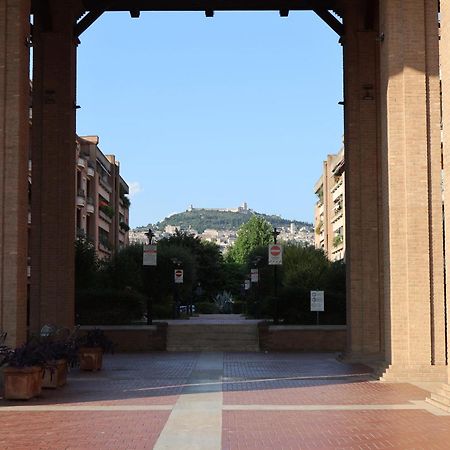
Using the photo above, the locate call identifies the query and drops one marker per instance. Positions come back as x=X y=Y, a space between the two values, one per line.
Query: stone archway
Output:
x=396 y=302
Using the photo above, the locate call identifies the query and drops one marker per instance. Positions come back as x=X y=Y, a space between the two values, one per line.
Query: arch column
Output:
x=411 y=190
x=53 y=165
x=14 y=147
x=445 y=77
x=362 y=196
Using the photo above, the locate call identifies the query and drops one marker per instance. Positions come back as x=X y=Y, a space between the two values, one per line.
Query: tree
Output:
x=86 y=264
x=255 y=233
x=208 y=261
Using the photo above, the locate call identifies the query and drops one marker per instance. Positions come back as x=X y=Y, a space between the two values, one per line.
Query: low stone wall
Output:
x=308 y=338
x=139 y=338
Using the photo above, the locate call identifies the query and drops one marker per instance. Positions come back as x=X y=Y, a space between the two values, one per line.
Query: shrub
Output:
x=109 y=306
x=206 y=308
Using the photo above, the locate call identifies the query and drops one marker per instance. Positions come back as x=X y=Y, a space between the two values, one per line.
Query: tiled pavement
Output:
x=225 y=401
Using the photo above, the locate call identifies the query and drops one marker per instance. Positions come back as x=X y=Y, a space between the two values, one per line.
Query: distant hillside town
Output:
x=220 y=226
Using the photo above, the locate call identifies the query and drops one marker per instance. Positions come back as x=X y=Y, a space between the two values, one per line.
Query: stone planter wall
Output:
x=307 y=338
x=139 y=338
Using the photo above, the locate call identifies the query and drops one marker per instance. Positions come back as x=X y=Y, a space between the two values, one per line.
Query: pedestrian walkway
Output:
x=229 y=401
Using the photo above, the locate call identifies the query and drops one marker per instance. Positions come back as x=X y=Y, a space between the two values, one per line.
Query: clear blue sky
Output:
x=213 y=111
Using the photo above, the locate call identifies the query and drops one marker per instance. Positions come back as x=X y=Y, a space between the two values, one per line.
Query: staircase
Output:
x=212 y=337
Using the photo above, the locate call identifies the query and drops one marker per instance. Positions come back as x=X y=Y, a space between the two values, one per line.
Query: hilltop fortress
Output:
x=242 y=209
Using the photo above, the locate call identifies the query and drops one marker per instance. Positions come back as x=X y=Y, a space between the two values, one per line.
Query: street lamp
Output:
x=175 y=309
x=255 y=262
x=275 y=234
x=150 y=235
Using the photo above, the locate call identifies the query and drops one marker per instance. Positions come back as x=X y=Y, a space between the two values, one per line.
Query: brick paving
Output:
x=287 y=430
x=251 y=401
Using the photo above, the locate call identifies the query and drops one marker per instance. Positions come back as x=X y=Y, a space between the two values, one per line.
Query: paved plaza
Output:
x=226 y=401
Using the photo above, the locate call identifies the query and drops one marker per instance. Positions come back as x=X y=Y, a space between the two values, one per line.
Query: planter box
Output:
x=22 y=383
x=56 y=376
x=90 y=358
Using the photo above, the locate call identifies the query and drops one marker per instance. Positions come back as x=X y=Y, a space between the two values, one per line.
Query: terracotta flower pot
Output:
x=56 y=376
x=22 y=383
x=90 y=358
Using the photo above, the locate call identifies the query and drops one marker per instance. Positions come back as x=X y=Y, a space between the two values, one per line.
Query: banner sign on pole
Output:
x=178 y=276
x=254 y=275
x=275 y=255
x=149 y=255
x=317 y=301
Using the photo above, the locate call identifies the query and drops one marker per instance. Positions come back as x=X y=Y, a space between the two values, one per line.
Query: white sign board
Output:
x=178 y=274
x=149 y=255
x=254 y=276
x=317 y=301
x=247 y=285
x=275 y=255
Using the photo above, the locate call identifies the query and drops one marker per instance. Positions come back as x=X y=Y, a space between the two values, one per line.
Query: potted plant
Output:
x=61 y=355
x=23 y=371
x=91 y=348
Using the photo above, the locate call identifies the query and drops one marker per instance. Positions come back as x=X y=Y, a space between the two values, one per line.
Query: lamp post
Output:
x=150 y=235
x=255 y=279
x=175 y=309
x=275 y=234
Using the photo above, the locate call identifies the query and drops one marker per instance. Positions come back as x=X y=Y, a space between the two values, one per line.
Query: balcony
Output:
x=104 y=217
x=104 y=182
x=81 y=162
x=90 y=207
x=81 y=198
x=90 y=169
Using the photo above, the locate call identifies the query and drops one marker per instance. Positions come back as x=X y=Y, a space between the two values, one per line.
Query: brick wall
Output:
x=135 y=339
x=330 y=338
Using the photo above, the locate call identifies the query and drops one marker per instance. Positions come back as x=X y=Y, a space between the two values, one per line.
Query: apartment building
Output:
x=329 y=214
x=102 y=205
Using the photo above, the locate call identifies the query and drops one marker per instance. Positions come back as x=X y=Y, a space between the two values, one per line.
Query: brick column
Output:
x=14 y=144
x=362 y=191
x=411 y=180
x=445 y=76
x=53 y=158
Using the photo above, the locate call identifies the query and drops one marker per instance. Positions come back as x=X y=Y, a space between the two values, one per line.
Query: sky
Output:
x=213 y=112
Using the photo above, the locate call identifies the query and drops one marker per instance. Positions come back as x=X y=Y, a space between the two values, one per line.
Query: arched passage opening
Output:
x=397 y=307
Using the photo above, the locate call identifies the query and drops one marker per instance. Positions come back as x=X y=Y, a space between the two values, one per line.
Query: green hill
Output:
x=201 y=219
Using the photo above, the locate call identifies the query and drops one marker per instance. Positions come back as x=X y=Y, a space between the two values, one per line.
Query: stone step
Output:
x=212 y=337
x=441 y=398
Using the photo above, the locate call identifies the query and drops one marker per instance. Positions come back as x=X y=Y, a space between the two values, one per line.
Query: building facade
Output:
x=102 y=205
x=329 y=214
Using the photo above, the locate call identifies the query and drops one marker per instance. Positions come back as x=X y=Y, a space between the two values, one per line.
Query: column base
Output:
x=404 y=373
x=373 y=360
x=441 y=398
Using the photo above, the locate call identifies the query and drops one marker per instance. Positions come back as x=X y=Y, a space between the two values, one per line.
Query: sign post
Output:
x=317 y=302
x=275 y=255
x=275 y=260
x=149 y=259
x=178 y=276
x=150 y=254
x=254 y=276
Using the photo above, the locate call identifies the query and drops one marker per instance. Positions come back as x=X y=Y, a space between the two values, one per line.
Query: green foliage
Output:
x=86 y=263
x=207 y=260
x=107 y=209
x=206 y=308
x=202 y=219
x=103 y=306
x=126 y=201
x=124 y=226
x=256 y=232
x=338 y=240
x=304 y=269
x=124 y=269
